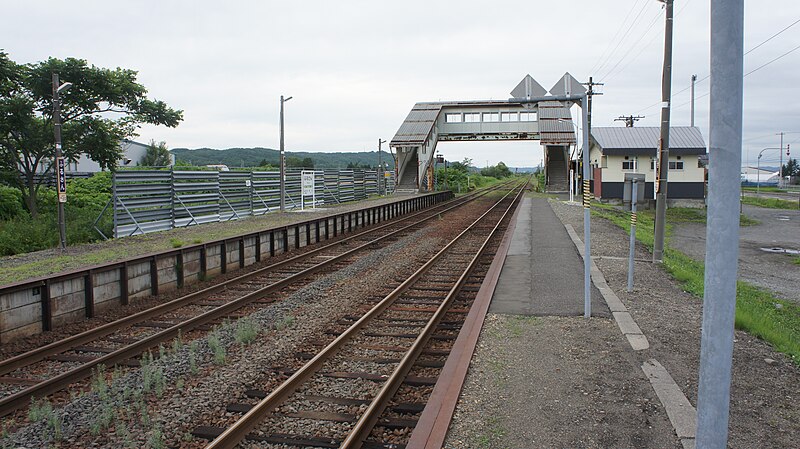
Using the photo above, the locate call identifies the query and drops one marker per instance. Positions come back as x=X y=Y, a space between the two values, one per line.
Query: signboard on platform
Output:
x=307 y=188
x=307 y=178
x=61 y=180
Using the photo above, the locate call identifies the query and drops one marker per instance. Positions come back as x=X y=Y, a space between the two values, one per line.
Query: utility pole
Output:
x=629 y=119
x=663 y=161
x=694 y=78
x=60 y=165
x=283 y=160
x=591 y=92
x=722 y=232
x=780 y=165
x=380 y=168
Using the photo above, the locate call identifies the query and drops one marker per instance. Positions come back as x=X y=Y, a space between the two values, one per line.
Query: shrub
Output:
x=11 y=204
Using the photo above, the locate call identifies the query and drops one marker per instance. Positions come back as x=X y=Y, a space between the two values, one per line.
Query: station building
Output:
x=616 y=151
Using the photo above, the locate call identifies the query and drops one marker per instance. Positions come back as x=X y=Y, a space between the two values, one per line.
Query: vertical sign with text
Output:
x=61 y=176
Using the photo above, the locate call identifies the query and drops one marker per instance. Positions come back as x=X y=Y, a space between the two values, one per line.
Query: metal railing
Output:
x=156 y=200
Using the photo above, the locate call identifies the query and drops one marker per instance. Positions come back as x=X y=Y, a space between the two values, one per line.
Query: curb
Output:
x=622 y=317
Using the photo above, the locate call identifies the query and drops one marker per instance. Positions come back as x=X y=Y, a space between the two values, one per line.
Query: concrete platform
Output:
x=543 y=272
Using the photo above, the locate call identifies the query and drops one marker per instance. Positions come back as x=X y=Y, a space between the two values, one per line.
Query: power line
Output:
x=746 y=53
x=609 y=76
x=622 y=39
x=770 y=62
x=613 y=39
x=649 y=27
x=772 y=37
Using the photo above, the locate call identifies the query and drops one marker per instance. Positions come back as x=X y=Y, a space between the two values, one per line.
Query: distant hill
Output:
x=251 y=157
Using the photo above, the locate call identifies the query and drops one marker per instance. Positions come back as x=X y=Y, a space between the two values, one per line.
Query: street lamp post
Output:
x=381 y=187
x=758 y=169
x=61 y=176
x=283 y=160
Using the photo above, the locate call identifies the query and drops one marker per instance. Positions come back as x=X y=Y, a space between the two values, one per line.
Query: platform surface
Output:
x=543 y=272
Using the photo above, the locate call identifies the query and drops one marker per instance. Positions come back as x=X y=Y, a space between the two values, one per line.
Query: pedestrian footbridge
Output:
x=428 y=123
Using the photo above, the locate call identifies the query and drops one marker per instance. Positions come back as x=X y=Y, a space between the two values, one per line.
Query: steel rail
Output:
x=233 y=435
x=36 y=355
x=369 y=418
x=21 y=398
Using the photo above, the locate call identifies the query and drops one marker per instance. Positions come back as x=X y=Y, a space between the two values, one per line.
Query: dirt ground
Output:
x=776 y=229
x=569 y=382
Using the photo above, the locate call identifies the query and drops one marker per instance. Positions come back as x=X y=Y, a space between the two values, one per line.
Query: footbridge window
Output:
x=472 y=117
x=491 y=116
x=527 y=116
x=509 y=117
x=452 y=118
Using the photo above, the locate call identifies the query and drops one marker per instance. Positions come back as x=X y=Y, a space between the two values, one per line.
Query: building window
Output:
x=629 y=165
x=452 y=118
x=509 y=117
x=472 y=117
x=491 y=116
x=603 y=161
x=527 y=116
x=676 y=165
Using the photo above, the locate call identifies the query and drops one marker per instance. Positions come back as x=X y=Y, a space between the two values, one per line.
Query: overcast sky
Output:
x=355 y=68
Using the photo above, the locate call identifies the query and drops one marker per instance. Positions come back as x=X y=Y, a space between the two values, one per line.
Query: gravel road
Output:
x=777 y=228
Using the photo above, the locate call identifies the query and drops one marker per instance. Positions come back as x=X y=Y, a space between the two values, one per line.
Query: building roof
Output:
x=644 y=140
x=420 y=121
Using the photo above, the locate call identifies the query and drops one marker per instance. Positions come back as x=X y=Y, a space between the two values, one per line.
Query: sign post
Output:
x=307 y=184
x=62 y=179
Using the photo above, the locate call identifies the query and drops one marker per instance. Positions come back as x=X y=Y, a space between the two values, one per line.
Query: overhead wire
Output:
x=608 y=76
x=622 y=39
x=772 y=37
x=745 y=54
x=613 y=39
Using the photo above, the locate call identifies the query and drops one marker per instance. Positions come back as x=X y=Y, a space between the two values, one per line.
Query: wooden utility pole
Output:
x=663 y=160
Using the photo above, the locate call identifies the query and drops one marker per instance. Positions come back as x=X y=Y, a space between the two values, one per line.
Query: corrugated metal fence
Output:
x=156 y=200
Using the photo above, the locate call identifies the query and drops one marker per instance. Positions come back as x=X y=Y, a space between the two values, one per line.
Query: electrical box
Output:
x=627 y=189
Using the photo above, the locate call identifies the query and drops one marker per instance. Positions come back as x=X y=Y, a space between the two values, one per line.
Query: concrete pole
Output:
x=663 y=163
x=780 y=164
x=587 y=216
x=283 y=160
x=59 y=164
x=381 y=189
x=694 y=78
x=634 y=196
x=719 y=299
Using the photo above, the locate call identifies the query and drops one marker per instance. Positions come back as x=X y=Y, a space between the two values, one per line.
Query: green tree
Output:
x=156 y=155
x=103 y=107
x=791 y=168
x=497 y=171
x=296 y=162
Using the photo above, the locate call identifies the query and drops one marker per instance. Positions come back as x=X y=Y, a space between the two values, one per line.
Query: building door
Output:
x=598 y=182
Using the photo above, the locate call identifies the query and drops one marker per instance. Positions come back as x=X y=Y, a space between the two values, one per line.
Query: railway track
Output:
x=54 y=367
x=368 y=383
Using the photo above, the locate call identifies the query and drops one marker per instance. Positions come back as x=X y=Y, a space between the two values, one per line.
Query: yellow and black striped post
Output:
x=587 y=195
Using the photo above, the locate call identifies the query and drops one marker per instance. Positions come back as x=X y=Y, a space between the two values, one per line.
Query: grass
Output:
x=796 y=260
x=762 y=189
x=758 y=311
x=495 y=431
x=517 y=323
x=770 y=203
